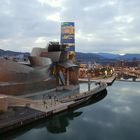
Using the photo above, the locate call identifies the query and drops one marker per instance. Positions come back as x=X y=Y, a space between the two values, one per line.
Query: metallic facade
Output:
x=11 y=71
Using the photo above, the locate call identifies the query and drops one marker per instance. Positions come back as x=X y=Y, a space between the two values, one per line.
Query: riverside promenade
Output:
x=108 y=81
x=24 y=111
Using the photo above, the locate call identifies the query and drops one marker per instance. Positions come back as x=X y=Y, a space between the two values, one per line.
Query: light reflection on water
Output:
x=116 y=117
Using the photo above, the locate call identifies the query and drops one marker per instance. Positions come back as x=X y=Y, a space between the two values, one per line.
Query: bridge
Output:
x=127 y=73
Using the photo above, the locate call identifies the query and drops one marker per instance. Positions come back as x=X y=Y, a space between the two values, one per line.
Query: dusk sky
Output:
x=111 y=26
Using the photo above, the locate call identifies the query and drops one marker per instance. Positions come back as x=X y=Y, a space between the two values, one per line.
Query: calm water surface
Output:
x=112 y=116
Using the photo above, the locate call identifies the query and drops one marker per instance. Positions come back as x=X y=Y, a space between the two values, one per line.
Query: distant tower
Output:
x=68 y=35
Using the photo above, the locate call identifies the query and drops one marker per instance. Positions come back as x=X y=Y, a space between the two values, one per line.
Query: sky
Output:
x=108 y=26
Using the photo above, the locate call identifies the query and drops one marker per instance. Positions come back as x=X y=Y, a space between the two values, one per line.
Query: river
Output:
x=114 y=115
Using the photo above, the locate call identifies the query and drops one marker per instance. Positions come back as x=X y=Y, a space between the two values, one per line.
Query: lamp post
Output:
x=89 y=68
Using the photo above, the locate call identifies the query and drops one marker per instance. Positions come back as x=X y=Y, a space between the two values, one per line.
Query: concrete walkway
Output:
x=105 y=80
x=35 y=110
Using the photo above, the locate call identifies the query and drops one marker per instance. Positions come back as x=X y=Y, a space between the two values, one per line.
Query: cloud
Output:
x=101 y=26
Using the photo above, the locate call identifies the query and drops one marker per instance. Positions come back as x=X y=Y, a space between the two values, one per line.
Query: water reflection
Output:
x=58 y=123
x=116 y=117
x=55 y=124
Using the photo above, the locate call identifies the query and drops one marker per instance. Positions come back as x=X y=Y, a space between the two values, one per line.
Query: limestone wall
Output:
x=3 y=104
x=25 y=88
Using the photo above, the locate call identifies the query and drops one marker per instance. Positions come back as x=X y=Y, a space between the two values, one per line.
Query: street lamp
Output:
x=89 y=74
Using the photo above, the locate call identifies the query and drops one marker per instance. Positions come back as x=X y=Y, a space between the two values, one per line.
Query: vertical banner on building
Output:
x=68 y=35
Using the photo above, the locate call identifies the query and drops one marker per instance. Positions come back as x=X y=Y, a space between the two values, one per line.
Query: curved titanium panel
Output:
x=11 y=71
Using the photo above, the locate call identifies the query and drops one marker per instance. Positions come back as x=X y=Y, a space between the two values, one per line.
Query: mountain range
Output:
x=12 y=53
x=99 y=57
x=106 y=56
x=118 y=56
